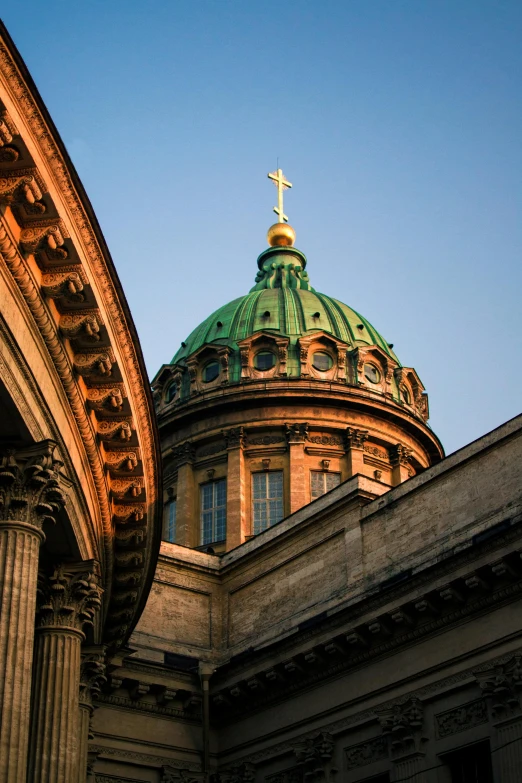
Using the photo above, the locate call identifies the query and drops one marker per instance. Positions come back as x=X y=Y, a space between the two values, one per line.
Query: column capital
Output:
x=184 y=454
x=403 y=723
x=92 y=674
x=355 y=438
x=29 y=488
x=501 y=686
x=69 y=597
x=400 y=455
x=296 y=433
x=234 y=438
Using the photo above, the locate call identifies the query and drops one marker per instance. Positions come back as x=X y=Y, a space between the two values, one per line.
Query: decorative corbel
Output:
x=66 y=284
x=93 y=363
x=122 y=460
x=111 y=428
x=84 y=325
x=45 y=236
x=124 y=514
x=109 y=398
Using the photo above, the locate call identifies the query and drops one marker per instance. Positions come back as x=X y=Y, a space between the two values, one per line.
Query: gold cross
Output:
x=281 y=184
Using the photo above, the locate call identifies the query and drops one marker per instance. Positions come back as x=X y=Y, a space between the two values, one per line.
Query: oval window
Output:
x=264 y=360
x=405 y=395
x=371 y=373
x=322 y=361
x=210 y=372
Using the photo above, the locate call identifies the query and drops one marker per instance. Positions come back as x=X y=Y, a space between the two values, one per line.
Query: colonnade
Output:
x=47 y=675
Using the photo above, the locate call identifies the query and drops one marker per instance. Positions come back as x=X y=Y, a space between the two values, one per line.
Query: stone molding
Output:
x=69 y=598
x=29 y=486
x=403 y=724
x=143 y=758
x=50 y=241
x=355 y=438
x=461 y=718
x=234 y=438
x=366 y=752
x=502 y=687
x=314 y=755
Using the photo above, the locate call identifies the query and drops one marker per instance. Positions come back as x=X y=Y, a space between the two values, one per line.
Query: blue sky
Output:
x=398 y=122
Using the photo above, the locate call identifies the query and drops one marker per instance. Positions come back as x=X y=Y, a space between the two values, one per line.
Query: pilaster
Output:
x=502 y=689
x=299 y=495
x=29 y=496
x=403 y=724
x=68 y=601
x=187 y=528
x=236 y=511
x=355 y=440
x=400 y=457
x=92 y=678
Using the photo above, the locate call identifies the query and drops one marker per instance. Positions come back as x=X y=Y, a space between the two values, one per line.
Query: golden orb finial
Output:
x=281 y=234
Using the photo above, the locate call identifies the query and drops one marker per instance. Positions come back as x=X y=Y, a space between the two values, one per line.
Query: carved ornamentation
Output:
x=67 y=284
x=130 y=537
x=184 y=454
x=29 y=488
x=92 y=675
x=403 y=724
x=173 y=775
x=115 y=429
x=96 y=363
x=127 y=488
x=22 y=185
x=69 y=597
x=355 y=438
x=373 y=451
x=315 y=755
x=242 y=773
x=234 y=438
x=51 y=236
x=296 y=433
x=502 y=687
x=325 y=440
x=366 y=752
x=122 y=460
x=461 y=718
x=106 y=397
x=125 y=514
x=400 y=455
x=85 y=325
x=265 y=440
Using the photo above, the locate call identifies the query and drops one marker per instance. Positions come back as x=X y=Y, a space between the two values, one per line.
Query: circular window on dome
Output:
x=371 y=373
x=322 y=361
x=405 y=395
x=264 y=360
x=210 y=372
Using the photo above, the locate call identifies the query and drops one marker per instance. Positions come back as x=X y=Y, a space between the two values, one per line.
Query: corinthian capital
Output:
x=92 y=674
x=29 y=489
x=70 y=596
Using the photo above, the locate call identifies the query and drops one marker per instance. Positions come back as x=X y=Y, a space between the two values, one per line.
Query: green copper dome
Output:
x=282 y=302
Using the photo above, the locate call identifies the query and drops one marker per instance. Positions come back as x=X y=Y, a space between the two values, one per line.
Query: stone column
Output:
x=296 y=435
x=187 y=527
x=400 y=460
x=355 y=440
x=69 y=600
x=29 y=496
x=92 y=677
x=236 y=512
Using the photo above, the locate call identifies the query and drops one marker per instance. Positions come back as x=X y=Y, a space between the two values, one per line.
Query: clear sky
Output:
x=399 y=123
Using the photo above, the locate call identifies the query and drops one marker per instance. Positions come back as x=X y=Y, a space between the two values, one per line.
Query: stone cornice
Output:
x=413 y=609
x=79 y=309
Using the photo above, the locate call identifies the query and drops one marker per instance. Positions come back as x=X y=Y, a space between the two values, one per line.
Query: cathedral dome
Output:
x=282 y=304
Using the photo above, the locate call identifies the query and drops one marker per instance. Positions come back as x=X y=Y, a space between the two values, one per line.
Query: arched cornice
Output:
x=52 y=245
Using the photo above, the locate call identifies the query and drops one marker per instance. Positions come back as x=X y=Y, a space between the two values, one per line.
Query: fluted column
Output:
x=92 y=677
x=296 y=435
x=29 y=495
x=70 y=598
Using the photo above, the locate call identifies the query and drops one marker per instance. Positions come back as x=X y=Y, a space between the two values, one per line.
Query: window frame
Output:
x=267 y=500
x=324 y=473
x=218 y=512
x=169 y=526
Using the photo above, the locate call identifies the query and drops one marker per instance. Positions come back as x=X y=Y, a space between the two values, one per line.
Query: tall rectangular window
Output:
x=214 y=511
x=323 y=482
x=169 y=522
x=471 y=764
x=267 y=491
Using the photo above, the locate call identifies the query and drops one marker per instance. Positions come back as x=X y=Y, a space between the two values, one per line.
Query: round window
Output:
x=264 y=360
x=405 y=395
x=322 y=361
x=371 y=373
x=210 y=372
